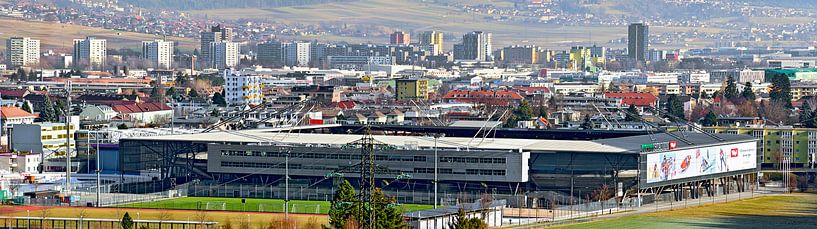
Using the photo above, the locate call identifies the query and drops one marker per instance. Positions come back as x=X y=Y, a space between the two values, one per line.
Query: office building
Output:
x=48 y=138
x=224 y=54
x=638 y=41
x=475 y=46
x=297 y=54
x=159 y=53
x=357 y=62
x=411 y=89
x=216 y=34
x=90 y=52
x=432 y=41
x=270 y=54
x=22 y=51
x=400 y=38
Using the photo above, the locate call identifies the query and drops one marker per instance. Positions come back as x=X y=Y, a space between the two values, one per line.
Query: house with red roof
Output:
x=15 y=115
x=145 y=113
x=492 y=98
x=639 y=99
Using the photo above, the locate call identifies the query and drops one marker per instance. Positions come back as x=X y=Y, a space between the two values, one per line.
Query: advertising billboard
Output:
x=679 y=164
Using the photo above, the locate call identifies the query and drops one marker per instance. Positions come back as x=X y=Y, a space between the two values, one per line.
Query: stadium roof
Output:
x=616 y=145
x=633 y=143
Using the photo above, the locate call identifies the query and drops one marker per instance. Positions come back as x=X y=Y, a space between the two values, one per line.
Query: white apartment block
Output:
x=90 y=51
x=22 y=51
x=159 y=53
x=242 y=89
x=297 y=54
x=224 y=55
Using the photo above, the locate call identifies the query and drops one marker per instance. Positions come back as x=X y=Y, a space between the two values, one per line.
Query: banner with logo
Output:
x=687 y=163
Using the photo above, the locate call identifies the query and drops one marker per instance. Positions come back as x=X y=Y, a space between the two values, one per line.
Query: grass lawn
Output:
x=251 y=205
x=236 y=219
x=798 y=211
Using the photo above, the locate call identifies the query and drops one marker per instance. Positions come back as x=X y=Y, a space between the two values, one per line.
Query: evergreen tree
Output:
x=552 y=104
x=731 y=90
x=386 y=211
x=181 y=80
x=464 y=222
x=632 y=114
x=219 y=100
x=343 y=205
x=704 y=95
x=215 y=113
x=127 y=221
x=47 y=113
x=193 y=93
x=27 y=107
x=171 y=92
x=587 y=124
x=675 y=108
x=781 y=90
x=522 y=113
x=747 y=93
x=612 y=87
x=805 y=113
x=710 y=119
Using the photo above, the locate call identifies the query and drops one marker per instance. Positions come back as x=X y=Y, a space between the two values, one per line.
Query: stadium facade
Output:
x=507 y=166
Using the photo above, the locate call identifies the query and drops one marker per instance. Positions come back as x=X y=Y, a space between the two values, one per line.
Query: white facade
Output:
x=159 y=53
x=90 y=51
x=224 y=54
x=565 y=89
x=699 y=77
x=23 y=163
x=242 y=89
x=98 y=113
x=297 y=54
x=22 y=51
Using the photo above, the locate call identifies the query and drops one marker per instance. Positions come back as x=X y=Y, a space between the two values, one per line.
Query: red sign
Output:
x=315 y=121
x=734 y=152
x=673 y=145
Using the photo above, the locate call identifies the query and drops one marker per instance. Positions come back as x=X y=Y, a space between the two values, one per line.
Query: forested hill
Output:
x=219 y=4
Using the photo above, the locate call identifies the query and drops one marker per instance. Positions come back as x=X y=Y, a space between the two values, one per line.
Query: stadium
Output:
x=254 y=164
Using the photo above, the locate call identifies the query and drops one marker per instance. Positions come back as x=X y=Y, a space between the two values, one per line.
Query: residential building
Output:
x=520 y=55
x=638 y=40
x=362 y=63
x=90 y=52
x=433 y=40
x=242 y=89
x=98 y=113
x=270 y=54
x=411 y=89
x=43 y=137
x=217 y=34
x=20 y=162
x=475 y=46
x=224 y=54
x=400 y=38
x=22 y=51
x=637 y=99
x=741 y=76
x=155 y=113
x=491 y=98
x=159 y=53
x=297 y=54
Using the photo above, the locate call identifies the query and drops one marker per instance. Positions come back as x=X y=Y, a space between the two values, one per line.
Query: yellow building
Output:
x=411 y=89
x=776 y=142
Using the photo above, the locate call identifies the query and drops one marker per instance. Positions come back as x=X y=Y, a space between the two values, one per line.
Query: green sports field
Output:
x=251 y=205
x=797 y=211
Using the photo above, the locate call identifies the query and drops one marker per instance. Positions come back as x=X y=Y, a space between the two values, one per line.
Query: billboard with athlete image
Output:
x=672 y=165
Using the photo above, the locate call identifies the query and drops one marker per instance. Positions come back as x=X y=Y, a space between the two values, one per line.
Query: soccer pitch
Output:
x=251 y=205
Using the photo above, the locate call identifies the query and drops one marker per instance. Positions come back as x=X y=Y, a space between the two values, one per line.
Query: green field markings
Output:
x=250 y=205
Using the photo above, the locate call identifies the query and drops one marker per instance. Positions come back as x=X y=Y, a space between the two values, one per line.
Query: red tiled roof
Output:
x=345 y=105
x=640 y=99
x=15 y=112
x=14 y=93
x=140 y=107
